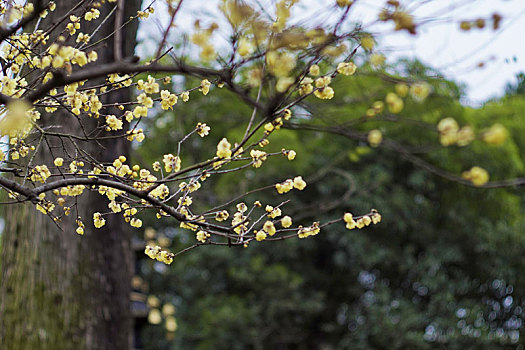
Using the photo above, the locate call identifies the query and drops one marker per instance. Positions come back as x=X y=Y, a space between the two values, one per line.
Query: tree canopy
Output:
x=433 y=274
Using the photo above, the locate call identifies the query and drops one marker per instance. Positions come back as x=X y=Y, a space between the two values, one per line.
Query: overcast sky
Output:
x=458 y=53
x=439 y=43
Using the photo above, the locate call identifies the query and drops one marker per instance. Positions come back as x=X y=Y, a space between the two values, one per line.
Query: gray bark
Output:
x=60 y=290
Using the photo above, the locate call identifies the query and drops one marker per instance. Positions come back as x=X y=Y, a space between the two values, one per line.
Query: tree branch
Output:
x=7 y=32
x=406 y=154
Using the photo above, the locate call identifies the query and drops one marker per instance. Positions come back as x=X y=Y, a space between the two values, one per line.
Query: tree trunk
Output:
x=60 y=290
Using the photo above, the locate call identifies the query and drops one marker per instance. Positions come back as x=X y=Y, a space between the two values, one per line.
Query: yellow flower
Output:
x=448 y=129
x=152 y=252
x=447 y=125
x=367 y=42
x=287 y=114
x=376 y=217
x=343 y=3
x=115 y=207
x=137 y=135
x=286 y=221
x=168 y=309
x=419 y=91
x=314 y=70
x=205 y=87
x=306 y=86
x=222 y=215
x=98 y=220
x=257 y=157
x=377 y=60
x=188 y=226
x=283 y=83
x=299 y=183
x=171 y=324
x=40 y=173
x=149 y=87
x=280 y=64
x=44 y=207
x=15 y=120
x=465 y=25
x=268 y=127
x=377 y=107
x=260 y=236
x=273 y=212
x=346 y=68
x=154 y=316
x=478 y=176
x=323 y=81
x=92 y=14
x=375 y=137
x=242 y=207
x=202 y=236
x=245 y=47
x=165 y=257
x=309 y=231
x=224 y=149
x=351 y=225
x=404 y=20
x=254 y=76
x=113 y=122
x=152 y=301
x=185 y=201
x=81 y=37
x=401 y=89
x=269 y=228
x=136 y=222
x=326 y=93
x=202 y=129
x=58 y=161
x=394 y=102
x=161 y=191
x=171 y=163
x=145 y=100
x=285 y=186
x=349 y=219
x=465 y=136
x=496 y=135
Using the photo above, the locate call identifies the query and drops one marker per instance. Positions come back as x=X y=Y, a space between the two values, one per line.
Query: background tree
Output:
x=434 y=275
x=63 y=113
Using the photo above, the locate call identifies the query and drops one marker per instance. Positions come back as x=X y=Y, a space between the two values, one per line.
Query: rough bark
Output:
x=60 y=290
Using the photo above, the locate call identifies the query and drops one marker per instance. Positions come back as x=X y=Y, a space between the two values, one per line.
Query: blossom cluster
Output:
x=44 y=83
x=159 y=254
x=359 y=222
x=451 y=134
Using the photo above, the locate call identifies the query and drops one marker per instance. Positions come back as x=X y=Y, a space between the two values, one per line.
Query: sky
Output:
x=457 y=53
x=439 y=43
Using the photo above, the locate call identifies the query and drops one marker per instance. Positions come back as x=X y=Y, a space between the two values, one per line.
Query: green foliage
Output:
x=519 y=87
x=443 y=270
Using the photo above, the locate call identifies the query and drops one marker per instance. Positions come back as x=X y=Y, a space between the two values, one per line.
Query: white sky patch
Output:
x=457 y=53
x=439 y=43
